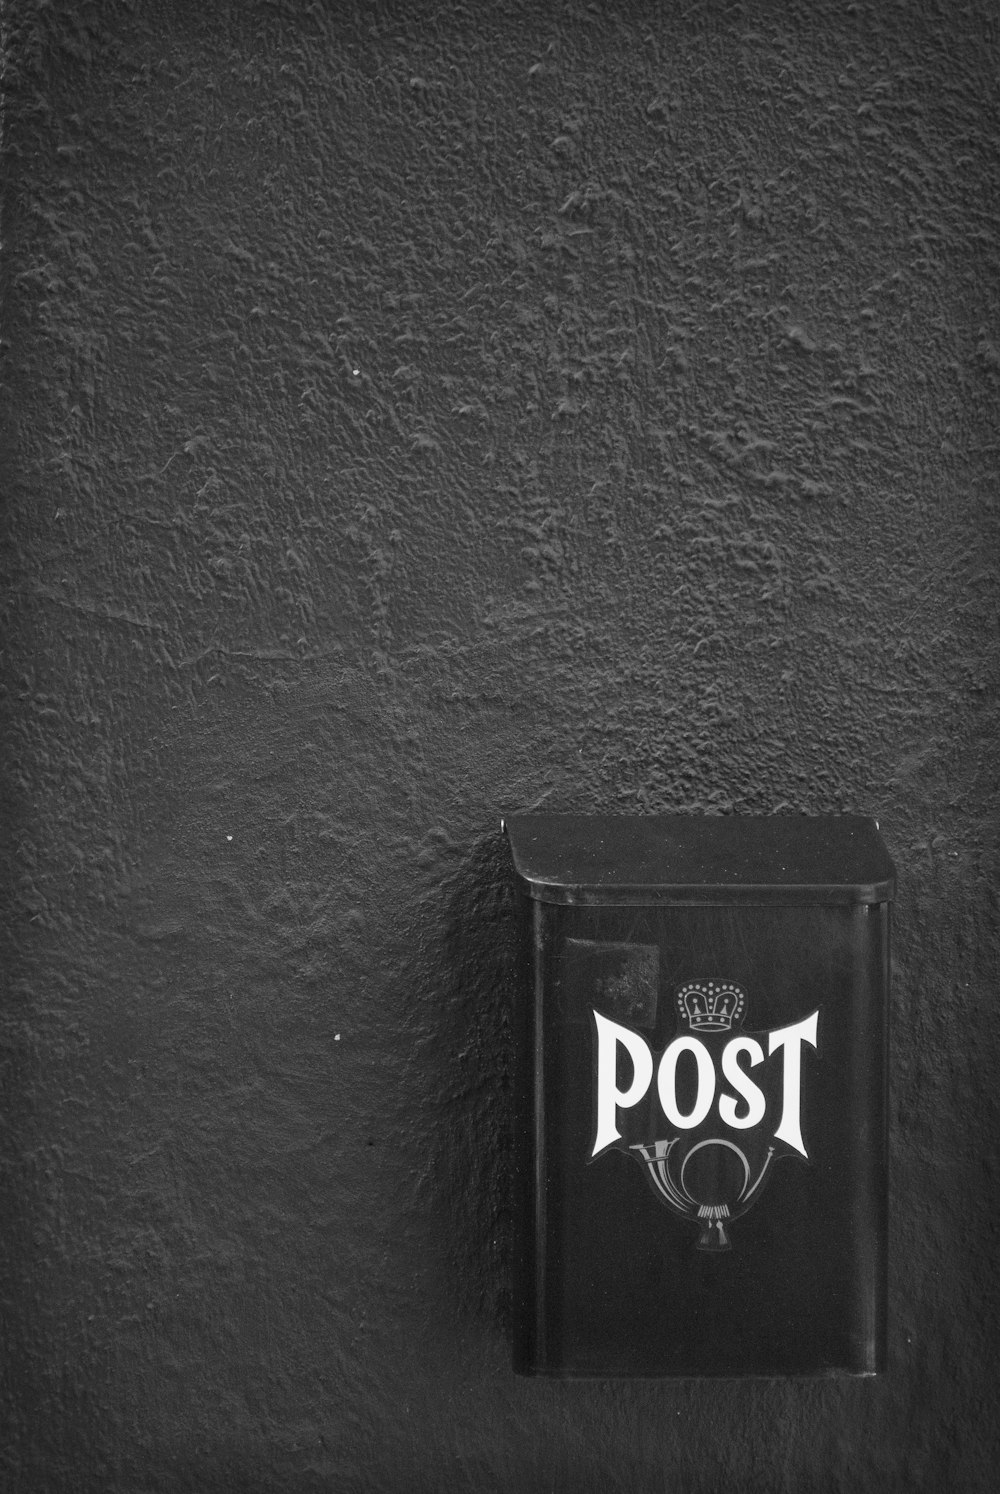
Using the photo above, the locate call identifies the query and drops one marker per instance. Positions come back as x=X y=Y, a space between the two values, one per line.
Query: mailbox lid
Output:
x=678 y=859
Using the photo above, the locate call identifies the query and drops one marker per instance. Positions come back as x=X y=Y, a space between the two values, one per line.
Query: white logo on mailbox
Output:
x=730 y=1107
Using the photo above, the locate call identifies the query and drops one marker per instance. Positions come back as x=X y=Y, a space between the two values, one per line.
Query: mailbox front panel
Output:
x=702 y=1140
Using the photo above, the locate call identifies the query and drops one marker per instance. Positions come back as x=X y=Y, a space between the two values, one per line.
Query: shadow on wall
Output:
x=471 y=1075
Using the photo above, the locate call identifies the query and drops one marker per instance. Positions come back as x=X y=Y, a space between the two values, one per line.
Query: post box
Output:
x=701 y=1035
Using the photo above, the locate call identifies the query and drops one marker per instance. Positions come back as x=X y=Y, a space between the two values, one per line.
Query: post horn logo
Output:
x=709 y=1138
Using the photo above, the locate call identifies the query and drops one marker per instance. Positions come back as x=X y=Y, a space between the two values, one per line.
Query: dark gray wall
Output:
x=412 y=413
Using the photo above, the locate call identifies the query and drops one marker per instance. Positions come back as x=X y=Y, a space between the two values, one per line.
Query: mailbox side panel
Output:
x=530 y=1188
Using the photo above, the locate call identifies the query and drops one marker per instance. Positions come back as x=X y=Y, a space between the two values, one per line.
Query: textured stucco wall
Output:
x=414 y=412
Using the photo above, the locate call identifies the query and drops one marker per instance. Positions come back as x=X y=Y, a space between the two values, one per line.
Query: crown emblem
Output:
x=711 y=1005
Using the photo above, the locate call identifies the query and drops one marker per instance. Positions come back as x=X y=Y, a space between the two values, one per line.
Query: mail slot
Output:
x=701 y=1036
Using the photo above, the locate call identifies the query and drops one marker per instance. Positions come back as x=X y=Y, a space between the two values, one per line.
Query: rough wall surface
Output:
x=414 y=412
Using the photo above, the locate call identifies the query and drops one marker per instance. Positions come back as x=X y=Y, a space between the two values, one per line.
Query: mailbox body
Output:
x=684 y=1209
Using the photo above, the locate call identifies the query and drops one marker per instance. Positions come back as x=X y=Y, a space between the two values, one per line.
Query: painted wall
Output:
x=415 y=412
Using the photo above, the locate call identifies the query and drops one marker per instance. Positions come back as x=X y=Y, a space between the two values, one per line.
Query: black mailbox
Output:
x=701 y=1139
